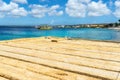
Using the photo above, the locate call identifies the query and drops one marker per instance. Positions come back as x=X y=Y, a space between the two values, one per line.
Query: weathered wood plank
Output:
x=78 y=42
x=91 y=45
x=101 y=64
x=60 y=74
x=73 y=56
x=118 y=78
x=14 y=73
x=65 y=66
x=2 y=78
x=56 y=49
x=102 y=48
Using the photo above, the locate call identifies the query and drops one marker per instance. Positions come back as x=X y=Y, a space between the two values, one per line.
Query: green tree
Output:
x=119 y=21
x=110 y=25
x=116 y=24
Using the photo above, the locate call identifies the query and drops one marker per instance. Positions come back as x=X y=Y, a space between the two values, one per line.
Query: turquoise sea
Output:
x=8 y=33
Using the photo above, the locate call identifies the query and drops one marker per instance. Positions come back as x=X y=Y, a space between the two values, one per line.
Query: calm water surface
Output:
x=7 y=33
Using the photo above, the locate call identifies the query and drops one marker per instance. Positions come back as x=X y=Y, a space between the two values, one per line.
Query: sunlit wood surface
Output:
x=59 y=59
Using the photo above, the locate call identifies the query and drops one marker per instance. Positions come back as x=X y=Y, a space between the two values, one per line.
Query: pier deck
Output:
x=59 y=59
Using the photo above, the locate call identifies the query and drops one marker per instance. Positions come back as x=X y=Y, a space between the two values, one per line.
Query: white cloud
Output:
x=83 y=8
x=117 y=3
x=98 y=9
x=117 y=11
x=20 y=1
x=11 y=9
x=7 y=7
x=76 y=8
x=19 y=12
x=83 y=1
x=53 y=10
x=54 y=7
x=40 y=10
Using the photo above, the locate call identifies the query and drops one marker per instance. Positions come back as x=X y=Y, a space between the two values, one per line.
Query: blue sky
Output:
x=36 y=12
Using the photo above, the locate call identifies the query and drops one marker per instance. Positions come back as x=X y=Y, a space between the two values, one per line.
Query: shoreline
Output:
x=90 y=34
x=109 y=41
x=117 y=28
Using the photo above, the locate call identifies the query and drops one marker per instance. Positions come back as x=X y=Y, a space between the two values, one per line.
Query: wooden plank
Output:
x=60 y=74
x=75 y=47
x=115 y=66
x=2 y=78
x=65 y=66
x=81 y=53
x=86 y=44
x=118 y=77
x=63 y=40
x=92 y=43
x=14 y=73
x=79 y=46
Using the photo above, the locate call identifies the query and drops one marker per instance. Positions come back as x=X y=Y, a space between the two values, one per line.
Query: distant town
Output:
x=115 y=25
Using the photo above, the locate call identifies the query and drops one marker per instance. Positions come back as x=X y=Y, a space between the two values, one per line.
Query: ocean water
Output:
x=7 y=33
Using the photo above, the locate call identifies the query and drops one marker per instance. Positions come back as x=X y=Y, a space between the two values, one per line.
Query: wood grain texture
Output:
x=41 y=59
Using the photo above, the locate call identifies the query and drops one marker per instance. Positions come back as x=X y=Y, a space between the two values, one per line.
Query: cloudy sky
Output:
x=35 y=12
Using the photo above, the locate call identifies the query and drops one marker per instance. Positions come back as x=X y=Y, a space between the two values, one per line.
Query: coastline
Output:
x=85 y=33
x=62 y=38
x=115 y=28
x=54 y=58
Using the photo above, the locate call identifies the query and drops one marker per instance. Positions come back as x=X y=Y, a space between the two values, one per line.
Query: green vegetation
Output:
x=105 y=25
x=44 y=27
x=116 y=24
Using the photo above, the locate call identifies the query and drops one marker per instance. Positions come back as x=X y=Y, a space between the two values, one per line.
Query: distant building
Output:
x=95 y=25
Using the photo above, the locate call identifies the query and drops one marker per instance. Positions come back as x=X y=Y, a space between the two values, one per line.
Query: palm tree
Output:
x=119 y=21
x=116 y=24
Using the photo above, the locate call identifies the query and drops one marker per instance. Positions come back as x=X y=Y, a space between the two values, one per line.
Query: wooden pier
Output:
x=59 y=59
